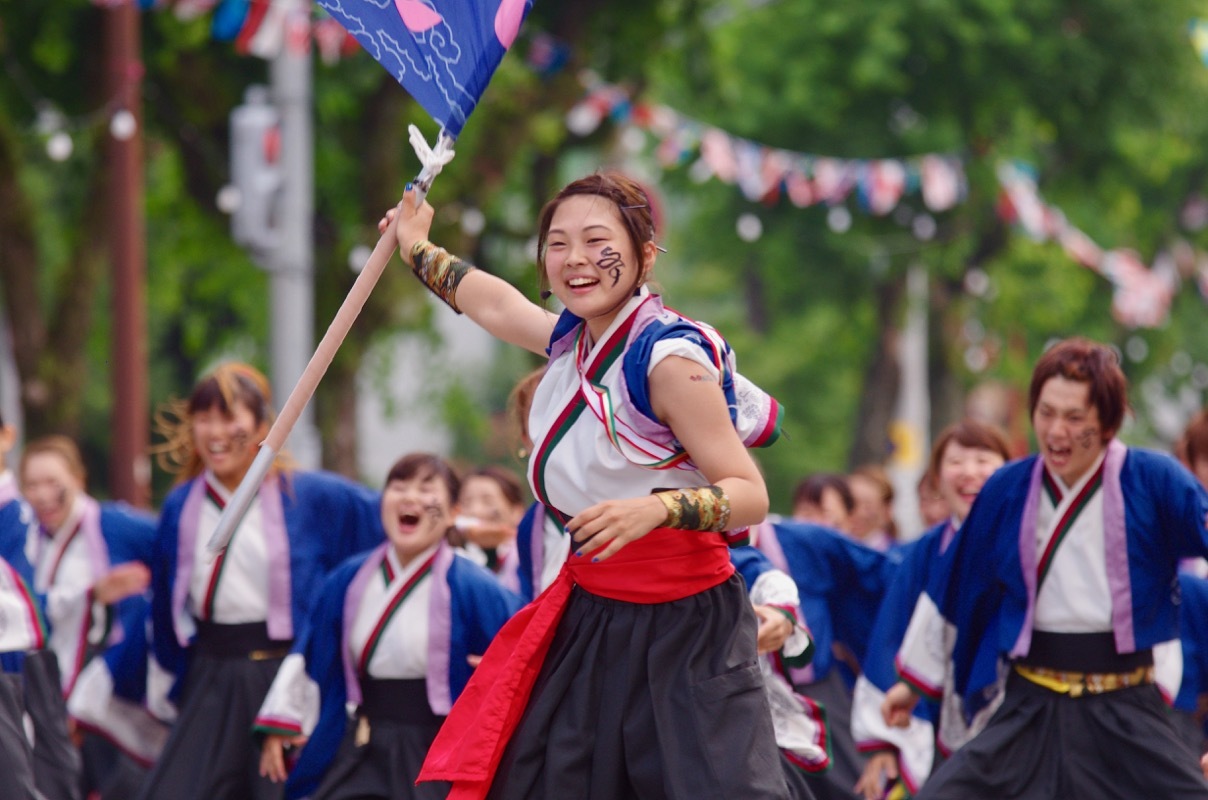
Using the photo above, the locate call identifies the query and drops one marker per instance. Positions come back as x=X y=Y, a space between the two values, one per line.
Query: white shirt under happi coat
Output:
x=292 y=702
x=241 y=594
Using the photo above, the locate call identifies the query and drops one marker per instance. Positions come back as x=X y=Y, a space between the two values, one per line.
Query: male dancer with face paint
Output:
x=1061 y=585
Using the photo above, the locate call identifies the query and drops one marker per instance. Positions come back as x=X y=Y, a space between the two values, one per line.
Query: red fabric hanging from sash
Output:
x=664 y=565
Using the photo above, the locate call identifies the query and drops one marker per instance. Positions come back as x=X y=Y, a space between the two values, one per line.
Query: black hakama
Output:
x=650 y=701
x=385 y=745
x=56 y=761
x=16 y=761
x=1042 y=745
x=211 y=753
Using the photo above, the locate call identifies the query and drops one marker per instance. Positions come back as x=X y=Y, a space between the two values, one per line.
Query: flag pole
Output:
x=433 y=160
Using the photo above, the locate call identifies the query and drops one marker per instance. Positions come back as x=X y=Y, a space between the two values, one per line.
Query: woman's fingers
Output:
x=272 y=760
x=385 y=221
x=603 y=529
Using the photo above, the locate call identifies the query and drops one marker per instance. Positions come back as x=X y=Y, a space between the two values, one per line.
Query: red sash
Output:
x=664 y=565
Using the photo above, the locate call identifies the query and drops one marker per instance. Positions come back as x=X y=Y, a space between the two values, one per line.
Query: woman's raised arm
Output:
x=493 y=303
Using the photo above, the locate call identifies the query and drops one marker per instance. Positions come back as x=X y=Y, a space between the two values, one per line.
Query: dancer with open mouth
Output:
x=223 y=625
x=395 y=633
x=629 y=675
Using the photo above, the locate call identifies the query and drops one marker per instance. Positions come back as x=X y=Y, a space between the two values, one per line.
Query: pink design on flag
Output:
x=507 y=21
x=417 y=16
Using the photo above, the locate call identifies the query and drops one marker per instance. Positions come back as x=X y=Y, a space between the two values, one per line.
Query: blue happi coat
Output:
x=1155 y=514
x=327 y=519
x=841 y=583
x=467 y=609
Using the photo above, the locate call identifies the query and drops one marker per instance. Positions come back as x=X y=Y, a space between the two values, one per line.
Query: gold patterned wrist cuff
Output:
x=440 y=270
x=703 y=509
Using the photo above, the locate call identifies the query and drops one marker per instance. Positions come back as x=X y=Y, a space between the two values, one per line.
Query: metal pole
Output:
x=913 y=413
x=130 y=468
x=291 y=263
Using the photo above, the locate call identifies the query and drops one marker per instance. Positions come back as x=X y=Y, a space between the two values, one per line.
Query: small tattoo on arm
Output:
x=697 y=378
x=612 y=263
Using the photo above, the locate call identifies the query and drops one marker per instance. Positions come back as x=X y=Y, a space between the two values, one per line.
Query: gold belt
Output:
x=1076 y=684
x=267 y=655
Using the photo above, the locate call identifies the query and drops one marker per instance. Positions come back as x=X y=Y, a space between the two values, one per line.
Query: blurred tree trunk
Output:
x=48 y=347
x=882 y=379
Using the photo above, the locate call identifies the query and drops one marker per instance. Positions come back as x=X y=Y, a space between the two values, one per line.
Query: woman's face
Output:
x=483 y=499
x=228 y=443
x=416 y=512
x=870 y=514
x=589 y=260
x=963 y=472
x=50 y=487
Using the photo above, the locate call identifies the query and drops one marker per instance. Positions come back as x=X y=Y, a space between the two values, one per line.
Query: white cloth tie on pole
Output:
x=432 y=159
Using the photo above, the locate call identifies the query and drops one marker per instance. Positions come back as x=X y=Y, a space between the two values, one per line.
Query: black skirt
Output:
x=210 y=753
x=16 y=760
x=384 y=746
x=647 y=701
x=385 y=767
x=1041 y=745
x=56 y=761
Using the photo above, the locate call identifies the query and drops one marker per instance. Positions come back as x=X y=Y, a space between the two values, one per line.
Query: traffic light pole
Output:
x=290 y=263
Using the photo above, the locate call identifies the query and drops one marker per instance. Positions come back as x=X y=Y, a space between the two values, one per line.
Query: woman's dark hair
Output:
x=812 y=487
x=227 y=385
x=968 y=433
x=423 y=466
x=505 y=479
x=631 y=201
x=231 y=384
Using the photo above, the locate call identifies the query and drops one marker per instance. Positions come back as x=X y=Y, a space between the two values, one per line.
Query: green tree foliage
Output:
x=1102 y=97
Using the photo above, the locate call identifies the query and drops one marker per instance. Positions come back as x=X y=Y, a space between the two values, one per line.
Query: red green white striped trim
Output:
x=403 y=592
x=609 y=352
x=36 y=623
x=54 y=570
x=1067 y=521
x=207 y=606
x=276 y=725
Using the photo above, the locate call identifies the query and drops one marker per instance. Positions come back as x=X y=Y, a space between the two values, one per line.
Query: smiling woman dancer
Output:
x=630 y=675
x=222 y=625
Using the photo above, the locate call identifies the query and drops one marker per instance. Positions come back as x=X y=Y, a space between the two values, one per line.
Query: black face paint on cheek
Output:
x=612 y=263
x=1088 y=439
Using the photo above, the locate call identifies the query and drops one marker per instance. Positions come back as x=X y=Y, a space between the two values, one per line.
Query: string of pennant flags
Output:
x=262 y=28
x=1141 y=297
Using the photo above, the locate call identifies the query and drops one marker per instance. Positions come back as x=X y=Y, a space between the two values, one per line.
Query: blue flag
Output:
x=443 y=52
